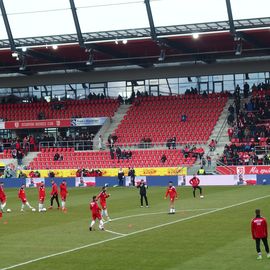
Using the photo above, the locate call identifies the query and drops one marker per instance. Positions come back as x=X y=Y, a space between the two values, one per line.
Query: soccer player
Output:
x=41 y=196
x=195 y=182
x=102 y=197
x=95 y=214
x=3 y=197
x=259 y=232
x=63 y=193
x=172 y=193
x=142 y=186
x=22 y=196
x=54 y=195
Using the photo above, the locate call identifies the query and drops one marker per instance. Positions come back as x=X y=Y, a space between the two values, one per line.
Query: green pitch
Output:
x=210 y=233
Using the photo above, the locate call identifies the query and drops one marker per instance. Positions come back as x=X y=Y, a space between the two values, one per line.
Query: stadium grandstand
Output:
x=89 y=91
x=134 y=134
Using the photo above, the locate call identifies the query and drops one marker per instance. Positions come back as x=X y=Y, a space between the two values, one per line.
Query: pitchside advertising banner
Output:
x=165 y=171
x=31 y=124
x=88 y=182
x=220 y=180
x=85 y=181
x=263 y=169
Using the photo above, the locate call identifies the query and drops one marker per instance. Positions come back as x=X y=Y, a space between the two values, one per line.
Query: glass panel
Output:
x=243 y=9
x=124 y=15
x=30 y=18
x=175 y=12
x=3 y=33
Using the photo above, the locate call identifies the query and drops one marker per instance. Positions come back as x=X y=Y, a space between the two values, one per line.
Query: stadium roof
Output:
x=234 y=37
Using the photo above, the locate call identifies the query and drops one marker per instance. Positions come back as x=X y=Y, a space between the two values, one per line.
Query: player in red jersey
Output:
x=63 y=193
x=259 y=232
x=3 y=197
x=172 y=193
x=54 y=195
x=22 y=197
x=102 y=197
x=195 y=182
x=95 y=214
x=41 y=196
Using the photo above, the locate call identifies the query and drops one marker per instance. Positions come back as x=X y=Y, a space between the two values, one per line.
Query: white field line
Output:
x=117 y=233
x=158 y=213
x=133 y=233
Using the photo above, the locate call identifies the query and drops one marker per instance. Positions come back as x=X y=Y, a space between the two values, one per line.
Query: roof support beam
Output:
x=7 y=26
x=77 y=23
x=230 y=16
x=151 y=20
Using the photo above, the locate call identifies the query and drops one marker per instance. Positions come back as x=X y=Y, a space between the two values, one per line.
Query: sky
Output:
x=29 y=18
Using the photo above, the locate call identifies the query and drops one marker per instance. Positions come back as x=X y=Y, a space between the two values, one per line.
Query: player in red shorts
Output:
x=102 y=197
x=195 y=182
x=63 y=193
x=41 y=196
x=22 y=196
x=3 y=197
x=172 y=193
x=95 y=214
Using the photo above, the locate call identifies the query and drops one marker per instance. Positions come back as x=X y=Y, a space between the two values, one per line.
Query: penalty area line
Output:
x=134 y=233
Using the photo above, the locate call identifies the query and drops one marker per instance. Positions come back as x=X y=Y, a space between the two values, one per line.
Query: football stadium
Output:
x=134 y=134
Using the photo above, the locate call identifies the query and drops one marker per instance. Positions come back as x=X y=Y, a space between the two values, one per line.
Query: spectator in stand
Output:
x=112 y=153
x=121 y=177
x=231 y=109
x=183 y=118
x=100 y=142
x=19 y=157
x=32 y=143
x=21 y=175
x=131 y=174
x=212 y=145
x=51 y=174
x=246 y=90
x=124 y=154
x=174 y=142
x=56 y=156
x=129 y=154
x=209 y=161
x=18 y=145
x=169 y=143
x=118 y=153
x=163 y=158
x=230 y=133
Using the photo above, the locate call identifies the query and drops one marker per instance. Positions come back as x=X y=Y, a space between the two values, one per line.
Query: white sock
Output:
x=3 y=205
x=63 y=204
x=92 y=223
x=101 y=223
x=173 y=210
x=40 y=206
x=27 y=203
x=22 y=207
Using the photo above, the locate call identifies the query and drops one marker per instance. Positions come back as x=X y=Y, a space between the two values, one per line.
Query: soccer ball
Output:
x=33 y=210
x=201 y=196
x=8 y=210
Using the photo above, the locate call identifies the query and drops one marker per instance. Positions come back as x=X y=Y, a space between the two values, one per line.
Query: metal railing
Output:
x=81 y=145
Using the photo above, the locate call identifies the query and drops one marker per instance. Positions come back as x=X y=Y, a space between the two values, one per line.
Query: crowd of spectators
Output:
x=118 y=153
x=171 y=143
x=193 y=151
x=88 y=173
x=249 y=131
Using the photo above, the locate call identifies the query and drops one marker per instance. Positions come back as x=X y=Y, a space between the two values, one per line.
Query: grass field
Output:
x=209 y=233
